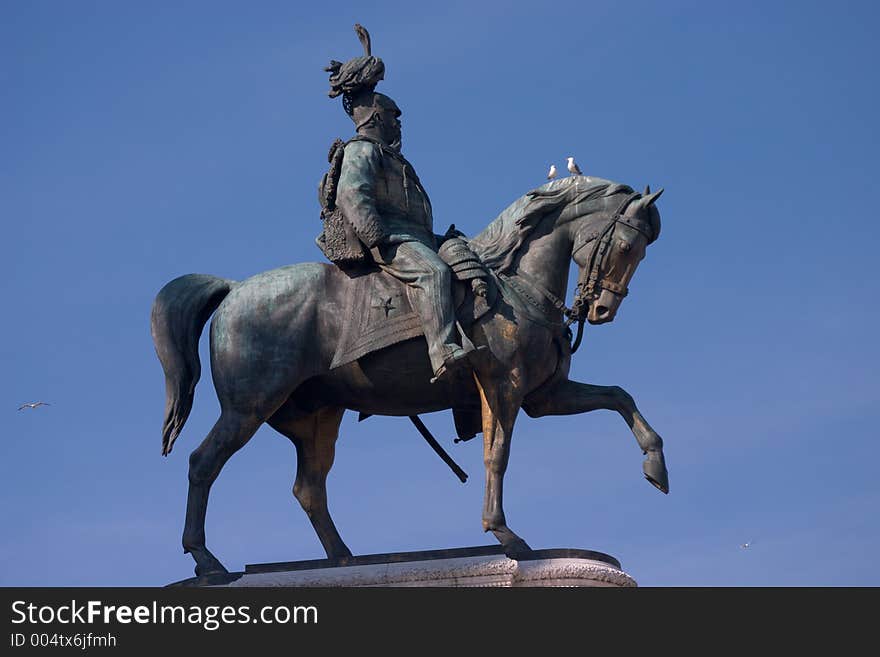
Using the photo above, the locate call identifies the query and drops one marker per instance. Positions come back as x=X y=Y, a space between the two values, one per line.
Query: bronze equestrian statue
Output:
x=297 y=346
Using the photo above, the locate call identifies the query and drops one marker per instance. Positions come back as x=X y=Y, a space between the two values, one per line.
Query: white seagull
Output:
x=552 y=173
x=746 y=546
x=34 y=405
x=573 y=168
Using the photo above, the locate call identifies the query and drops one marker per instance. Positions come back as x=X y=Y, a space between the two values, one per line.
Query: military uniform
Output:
x=381 y=196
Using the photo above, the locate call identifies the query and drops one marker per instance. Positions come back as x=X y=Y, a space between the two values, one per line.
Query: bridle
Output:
x=592 y=281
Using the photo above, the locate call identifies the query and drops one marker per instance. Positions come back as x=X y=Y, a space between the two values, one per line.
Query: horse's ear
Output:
x=650 y=199
x=647 y=190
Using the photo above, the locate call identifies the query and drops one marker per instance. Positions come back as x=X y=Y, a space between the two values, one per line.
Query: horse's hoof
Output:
x=655 y=471
x=219 y=569
x=207 y=564
x=516 y=549
x=341 y=553
x=513 y=545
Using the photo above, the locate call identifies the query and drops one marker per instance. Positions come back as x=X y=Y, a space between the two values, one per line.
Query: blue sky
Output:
x=142 y=141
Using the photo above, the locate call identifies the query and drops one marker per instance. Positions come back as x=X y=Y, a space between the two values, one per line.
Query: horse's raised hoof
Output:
x=655 y=471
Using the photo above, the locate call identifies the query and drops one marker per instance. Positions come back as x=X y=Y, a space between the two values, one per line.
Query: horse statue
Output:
x=274 y=338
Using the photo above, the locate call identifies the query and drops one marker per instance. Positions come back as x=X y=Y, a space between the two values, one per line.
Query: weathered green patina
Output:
x=274 y=336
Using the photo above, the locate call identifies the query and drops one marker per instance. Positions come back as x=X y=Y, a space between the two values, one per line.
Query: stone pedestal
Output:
x=463 y=567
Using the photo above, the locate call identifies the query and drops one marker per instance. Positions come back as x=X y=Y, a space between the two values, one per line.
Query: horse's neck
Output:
x=545 y=260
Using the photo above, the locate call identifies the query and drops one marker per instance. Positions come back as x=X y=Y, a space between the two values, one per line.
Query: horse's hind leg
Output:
x=229 y=434
x=571 y=397
x=315 y=437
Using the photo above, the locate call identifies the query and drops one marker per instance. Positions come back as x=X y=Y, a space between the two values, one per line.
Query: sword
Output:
x=429 y=438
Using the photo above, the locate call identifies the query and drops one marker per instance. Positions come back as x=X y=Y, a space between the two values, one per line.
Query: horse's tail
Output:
x=179 y=314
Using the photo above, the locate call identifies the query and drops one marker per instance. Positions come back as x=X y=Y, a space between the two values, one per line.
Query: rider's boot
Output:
x=458 y=356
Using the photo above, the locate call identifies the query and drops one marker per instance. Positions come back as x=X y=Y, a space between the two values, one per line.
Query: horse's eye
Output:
x=624 y=246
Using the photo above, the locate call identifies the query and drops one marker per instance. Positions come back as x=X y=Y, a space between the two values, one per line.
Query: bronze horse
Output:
x=273 y=337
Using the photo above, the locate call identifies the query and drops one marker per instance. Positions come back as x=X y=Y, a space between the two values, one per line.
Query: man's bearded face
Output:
x=391 y=127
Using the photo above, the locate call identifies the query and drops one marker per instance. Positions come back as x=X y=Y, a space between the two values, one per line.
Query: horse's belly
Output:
x=393 y=381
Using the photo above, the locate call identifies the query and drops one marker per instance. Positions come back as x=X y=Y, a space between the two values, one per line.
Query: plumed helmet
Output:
x=356 y=79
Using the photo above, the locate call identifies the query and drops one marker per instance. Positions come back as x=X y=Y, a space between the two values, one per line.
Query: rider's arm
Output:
x=356 y=193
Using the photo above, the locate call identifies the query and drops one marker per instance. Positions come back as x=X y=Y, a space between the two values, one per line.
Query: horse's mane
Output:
x=572 y=197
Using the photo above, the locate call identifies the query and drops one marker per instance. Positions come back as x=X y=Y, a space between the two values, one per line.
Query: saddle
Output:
x=378 y=314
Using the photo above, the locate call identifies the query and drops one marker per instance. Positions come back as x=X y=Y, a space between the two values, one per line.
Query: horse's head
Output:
x=608 y=249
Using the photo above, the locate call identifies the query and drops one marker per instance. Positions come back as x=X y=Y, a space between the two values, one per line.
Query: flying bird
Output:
x=552 y=173
x=747 y=545
x=573 y=168
x=33 y=405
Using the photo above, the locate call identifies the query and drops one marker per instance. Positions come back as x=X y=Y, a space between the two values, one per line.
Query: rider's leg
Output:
x=429 y=289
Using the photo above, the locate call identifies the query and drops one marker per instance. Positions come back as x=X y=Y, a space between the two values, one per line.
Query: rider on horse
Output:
x=381 y=196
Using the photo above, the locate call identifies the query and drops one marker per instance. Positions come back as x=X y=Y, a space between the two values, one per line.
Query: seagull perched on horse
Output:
x=552 y=173
x=573 y=168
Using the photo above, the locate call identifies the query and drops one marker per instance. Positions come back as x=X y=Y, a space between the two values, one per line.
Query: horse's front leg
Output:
x=571 y=397
x=500 y=405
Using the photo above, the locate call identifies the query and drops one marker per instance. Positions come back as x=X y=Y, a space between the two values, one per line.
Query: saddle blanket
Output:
x=377 y=314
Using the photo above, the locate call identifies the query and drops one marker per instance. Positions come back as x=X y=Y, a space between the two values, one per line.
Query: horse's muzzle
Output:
x=603 y=309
